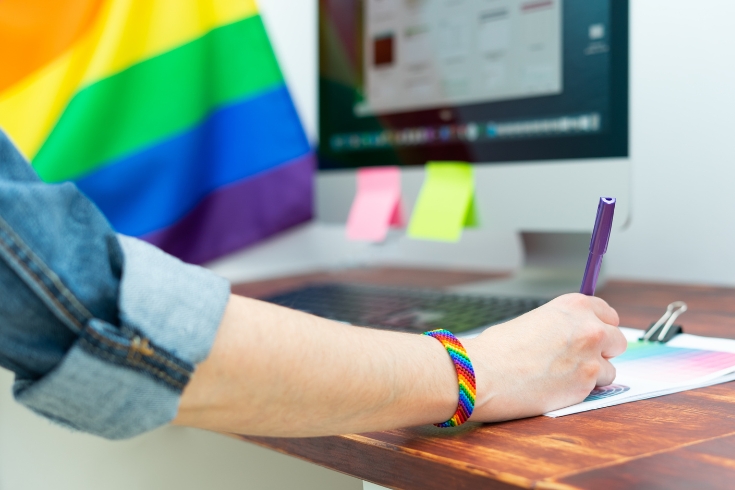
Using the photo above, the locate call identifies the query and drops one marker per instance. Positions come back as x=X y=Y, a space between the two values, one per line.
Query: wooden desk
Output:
x=685 y=440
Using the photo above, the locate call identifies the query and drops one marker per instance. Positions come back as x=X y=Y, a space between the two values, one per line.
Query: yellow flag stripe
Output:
x=127 y=32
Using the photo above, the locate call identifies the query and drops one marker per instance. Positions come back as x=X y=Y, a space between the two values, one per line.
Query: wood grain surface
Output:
x=685 y=440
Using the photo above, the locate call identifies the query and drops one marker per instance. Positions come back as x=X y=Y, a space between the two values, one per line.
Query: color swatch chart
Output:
x=651 y=369
x=651 y=361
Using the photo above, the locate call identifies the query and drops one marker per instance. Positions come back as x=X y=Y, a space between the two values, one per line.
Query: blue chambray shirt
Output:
x=102 y=331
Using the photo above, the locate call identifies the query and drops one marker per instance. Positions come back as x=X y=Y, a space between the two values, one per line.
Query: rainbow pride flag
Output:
x=171 y=115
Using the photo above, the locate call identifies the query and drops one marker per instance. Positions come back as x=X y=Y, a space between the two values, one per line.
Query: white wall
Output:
x=682 y=108
x=292 y=27
x=682 y=118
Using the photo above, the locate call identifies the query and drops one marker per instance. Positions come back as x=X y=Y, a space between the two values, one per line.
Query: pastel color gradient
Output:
x=657 y=362
x=465 y=376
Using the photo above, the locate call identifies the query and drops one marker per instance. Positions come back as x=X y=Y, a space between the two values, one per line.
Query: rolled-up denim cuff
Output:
x=176 y=305
x=121 y=381
x=87 y=393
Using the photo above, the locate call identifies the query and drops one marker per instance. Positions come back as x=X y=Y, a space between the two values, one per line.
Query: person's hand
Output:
x=547 y=359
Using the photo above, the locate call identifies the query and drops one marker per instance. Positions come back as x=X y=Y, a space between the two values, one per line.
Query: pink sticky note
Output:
x=377 y=204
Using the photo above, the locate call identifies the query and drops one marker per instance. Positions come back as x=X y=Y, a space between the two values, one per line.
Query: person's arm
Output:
x=104 y=333
x=278 y=372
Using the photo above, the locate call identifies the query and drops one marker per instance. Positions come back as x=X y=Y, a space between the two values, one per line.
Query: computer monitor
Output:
x=534 y=92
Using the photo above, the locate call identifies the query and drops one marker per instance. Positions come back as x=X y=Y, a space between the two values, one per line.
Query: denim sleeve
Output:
x=102 y=331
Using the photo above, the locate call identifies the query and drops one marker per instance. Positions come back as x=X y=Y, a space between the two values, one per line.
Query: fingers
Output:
x=613 y=342
x=600 y=308
x=603 y=311
x=601 y=330
x=607 y=373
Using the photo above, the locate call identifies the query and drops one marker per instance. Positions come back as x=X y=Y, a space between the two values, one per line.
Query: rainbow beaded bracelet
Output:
x=465 y=376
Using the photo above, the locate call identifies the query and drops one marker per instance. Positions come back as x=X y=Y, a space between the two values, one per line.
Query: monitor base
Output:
x=553 y=265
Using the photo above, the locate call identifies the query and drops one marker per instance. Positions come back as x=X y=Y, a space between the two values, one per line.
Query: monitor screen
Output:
x=403 y=82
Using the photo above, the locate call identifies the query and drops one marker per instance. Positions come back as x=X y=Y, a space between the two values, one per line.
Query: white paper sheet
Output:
x=646 y=371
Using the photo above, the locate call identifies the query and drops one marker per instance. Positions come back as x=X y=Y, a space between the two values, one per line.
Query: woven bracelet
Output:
x=465 y=376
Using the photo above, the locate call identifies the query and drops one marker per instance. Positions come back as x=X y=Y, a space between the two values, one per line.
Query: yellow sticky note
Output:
x=446 y=203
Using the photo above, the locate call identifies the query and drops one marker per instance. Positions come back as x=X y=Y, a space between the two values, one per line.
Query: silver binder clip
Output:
x=664 y=329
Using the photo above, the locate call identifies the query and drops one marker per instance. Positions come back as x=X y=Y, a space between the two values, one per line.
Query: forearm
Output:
x=279 y=372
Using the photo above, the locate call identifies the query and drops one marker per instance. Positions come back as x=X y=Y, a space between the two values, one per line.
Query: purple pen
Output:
x=598 y=244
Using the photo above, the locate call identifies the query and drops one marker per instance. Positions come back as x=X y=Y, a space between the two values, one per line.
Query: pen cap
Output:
x=603 y=225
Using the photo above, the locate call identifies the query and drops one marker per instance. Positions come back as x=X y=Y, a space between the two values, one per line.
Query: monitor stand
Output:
x=553 y=265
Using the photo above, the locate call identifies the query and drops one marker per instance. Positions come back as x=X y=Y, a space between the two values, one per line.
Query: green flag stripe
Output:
x=158 y=98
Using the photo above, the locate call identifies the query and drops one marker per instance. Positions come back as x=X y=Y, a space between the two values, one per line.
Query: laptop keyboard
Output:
x=408 y=310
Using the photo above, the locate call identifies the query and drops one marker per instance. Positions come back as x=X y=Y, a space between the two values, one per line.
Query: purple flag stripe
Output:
x=242 y=213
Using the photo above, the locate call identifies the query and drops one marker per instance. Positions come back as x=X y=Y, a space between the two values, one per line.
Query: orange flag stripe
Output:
x=34 y=32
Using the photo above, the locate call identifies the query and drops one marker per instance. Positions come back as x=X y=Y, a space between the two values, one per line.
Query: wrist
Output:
x=483 y=377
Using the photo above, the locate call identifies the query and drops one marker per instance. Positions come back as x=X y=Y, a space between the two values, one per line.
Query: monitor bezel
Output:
x=613 y=143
